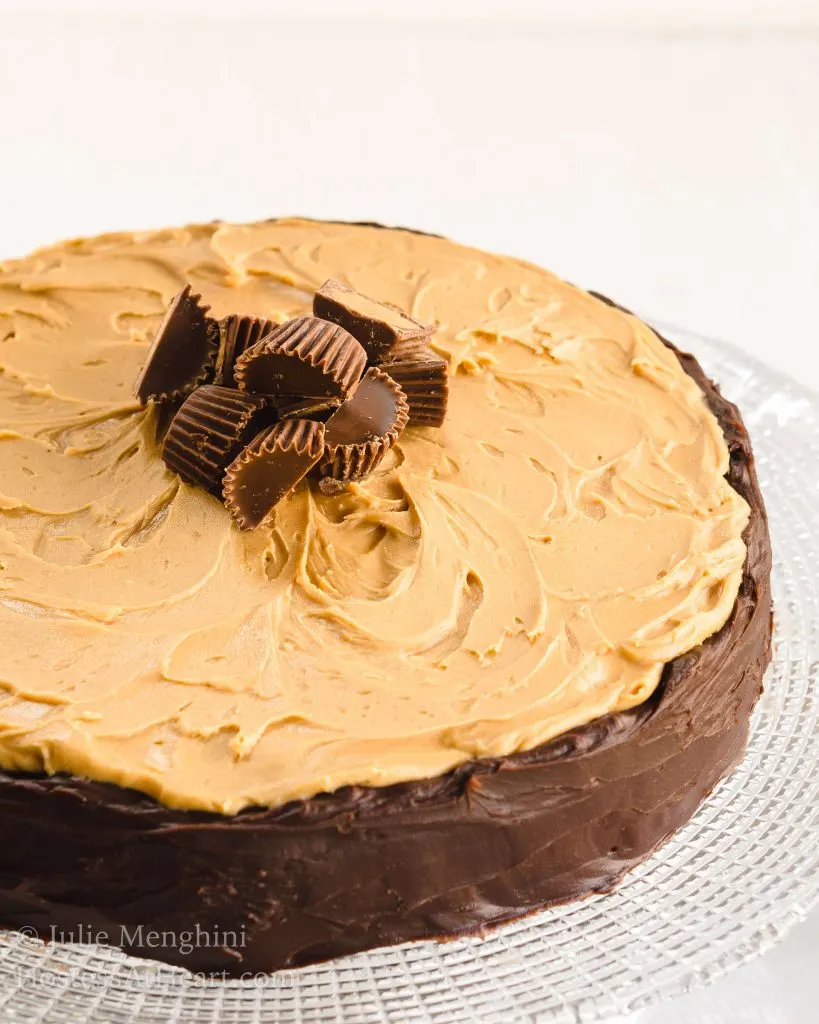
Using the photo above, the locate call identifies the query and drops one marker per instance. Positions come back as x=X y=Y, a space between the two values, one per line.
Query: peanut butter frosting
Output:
x=529 y=567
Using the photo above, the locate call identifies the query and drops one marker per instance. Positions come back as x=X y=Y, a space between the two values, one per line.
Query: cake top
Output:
x=523 y=569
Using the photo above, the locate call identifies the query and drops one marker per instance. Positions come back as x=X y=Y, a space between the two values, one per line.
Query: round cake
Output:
x=490 y=675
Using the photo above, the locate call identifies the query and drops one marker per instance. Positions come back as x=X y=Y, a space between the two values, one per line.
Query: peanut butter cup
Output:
x=425 y=382
x=269 y=468
x=236 y=335
x=207 y=432
x=306 y=358
x=365 y=427
x=292 y=408
x=377 y=325
x=164 y=413
x=183 y=351
x=409 y=348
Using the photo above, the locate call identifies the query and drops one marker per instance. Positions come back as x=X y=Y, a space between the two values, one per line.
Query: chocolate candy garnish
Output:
x=377 y=325
x=305 y=357
x=409 y=348
x=295 y=388
x=425 y=381
x=361 y=432
x=269 y=468
x=164 y=414
x=237 y=335
x=206 y=434
x=182 y=353
x=290 y=408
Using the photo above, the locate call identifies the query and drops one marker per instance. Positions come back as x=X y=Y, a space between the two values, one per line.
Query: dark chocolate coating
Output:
x=362 y=430
x=182 y=353
x=425 y=381
x=269 y=468
x=378 y=326
x=365 y=867
x=237 y=334
x=207 y=433
x=370 y=412
x=305 y=357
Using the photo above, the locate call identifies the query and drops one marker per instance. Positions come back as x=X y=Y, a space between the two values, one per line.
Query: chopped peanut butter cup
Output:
x=269 y=468
x=425 y=382
x=331 y=488
x=377 y=325
x=360 y=433
x=409 y=348
x=292 y=408
x=237 y=334
x=164 y=413
x=182 y=353
x=306 y=357
x=205 y=435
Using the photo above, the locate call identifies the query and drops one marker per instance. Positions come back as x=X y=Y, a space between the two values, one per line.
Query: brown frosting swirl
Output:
x=529 y=567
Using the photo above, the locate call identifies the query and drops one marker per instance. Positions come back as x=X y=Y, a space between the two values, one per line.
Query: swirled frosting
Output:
x=523 y=570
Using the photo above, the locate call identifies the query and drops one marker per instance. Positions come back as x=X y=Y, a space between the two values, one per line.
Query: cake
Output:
x=490 y=676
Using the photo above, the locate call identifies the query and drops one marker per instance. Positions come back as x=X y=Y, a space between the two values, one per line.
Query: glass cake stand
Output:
x=723 y=890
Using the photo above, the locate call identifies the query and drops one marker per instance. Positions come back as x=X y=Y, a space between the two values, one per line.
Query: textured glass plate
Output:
x=723 y=890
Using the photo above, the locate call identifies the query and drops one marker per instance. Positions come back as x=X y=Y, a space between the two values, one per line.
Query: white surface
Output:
x=680 y=174
x=778 y=989
x=595 y=16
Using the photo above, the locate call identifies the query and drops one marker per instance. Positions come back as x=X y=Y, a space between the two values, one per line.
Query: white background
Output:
x=666 y=153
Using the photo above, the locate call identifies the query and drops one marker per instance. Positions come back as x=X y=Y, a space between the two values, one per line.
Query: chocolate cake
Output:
x=488 y=667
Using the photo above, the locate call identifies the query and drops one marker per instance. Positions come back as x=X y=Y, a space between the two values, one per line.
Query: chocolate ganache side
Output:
x=368 y=866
